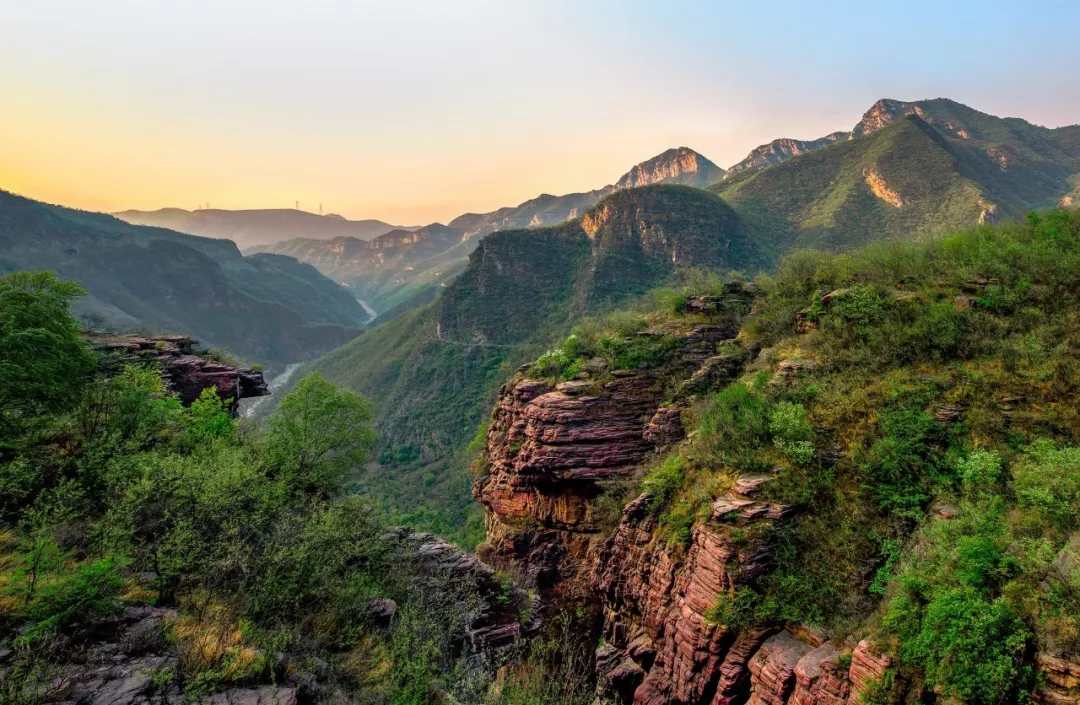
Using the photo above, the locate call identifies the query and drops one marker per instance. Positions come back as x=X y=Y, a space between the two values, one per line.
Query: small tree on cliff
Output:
x=319 y=434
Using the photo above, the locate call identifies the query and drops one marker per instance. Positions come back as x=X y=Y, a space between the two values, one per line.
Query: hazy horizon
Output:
x=413 y=112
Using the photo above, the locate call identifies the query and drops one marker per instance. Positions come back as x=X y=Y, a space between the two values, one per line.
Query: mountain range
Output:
x=905 y=169
x=252 y=227
x=267 y=308
x=391 y=269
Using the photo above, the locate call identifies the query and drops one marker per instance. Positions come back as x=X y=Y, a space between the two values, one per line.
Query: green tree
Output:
x=44 y=364
x=319 y=434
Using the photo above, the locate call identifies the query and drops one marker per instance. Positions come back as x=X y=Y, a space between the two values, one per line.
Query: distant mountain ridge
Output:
x=910 y=169
x=268 y=308
x=391 y=268
x=392 y=271
x=253 y=227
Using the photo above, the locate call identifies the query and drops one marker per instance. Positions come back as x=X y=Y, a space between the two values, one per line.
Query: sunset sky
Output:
x=419 y=110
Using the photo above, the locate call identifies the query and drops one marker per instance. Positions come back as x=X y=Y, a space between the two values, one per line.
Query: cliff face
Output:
x=552 y=449
x=675 y=166
x=186 y=373
x=663 y=648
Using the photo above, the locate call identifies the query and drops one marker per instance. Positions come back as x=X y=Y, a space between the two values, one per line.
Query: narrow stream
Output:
x=248 y=410
x=370 y=311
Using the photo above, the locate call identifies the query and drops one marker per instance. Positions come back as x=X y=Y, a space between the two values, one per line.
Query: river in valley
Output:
x=249 y=407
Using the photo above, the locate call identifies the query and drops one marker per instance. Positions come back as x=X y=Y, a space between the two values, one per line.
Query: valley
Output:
x=802 y=431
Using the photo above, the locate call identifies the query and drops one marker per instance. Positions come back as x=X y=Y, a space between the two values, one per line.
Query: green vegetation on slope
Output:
x=932 y=174
x=112 y=495
x=266 y=308
x=930 y=436
x=433 y=373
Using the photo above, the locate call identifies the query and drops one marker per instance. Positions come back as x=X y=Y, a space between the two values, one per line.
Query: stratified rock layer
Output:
x=186 y=373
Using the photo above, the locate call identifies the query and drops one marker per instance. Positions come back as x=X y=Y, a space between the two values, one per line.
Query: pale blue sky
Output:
x=416 y=110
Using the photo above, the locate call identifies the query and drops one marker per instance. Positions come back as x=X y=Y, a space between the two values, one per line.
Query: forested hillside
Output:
x=267 y=308
x=910 y=170
x=433 y=372
x=152 y=552
x=870 y=494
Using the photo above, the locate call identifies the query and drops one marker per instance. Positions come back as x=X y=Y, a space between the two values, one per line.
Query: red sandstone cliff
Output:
x=186 y=373
x=553 y=448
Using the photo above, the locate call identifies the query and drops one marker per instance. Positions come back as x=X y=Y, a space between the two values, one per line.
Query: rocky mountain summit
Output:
x=678 y=166
x=781 y=149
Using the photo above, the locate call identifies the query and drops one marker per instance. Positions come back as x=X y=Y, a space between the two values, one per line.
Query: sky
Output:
x=414 y=111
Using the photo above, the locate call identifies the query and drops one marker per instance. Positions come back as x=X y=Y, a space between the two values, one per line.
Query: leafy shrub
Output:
x=56 y=596
x=1047 y=484
x=970 y=647
x=735 y=426
x=664 y=481
x=792 y=432
x=209 y=417
x=861 y=306
x=319 y=434
x=44 y=364
x=902 y=467
x=737 y=610
x=980 y=473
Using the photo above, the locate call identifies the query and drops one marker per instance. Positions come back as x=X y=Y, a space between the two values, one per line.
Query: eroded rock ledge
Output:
x=552 y=449
x=186 y=373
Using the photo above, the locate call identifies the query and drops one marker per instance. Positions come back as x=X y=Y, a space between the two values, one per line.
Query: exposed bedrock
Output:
x=187 y=374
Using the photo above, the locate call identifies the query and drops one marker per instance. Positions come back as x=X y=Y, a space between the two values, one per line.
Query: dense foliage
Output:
x=112 y=494
x=930 y=434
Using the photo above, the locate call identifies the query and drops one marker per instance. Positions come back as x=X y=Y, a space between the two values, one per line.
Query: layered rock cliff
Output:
x=552 y=450
x=676 y=621
x=186 y=373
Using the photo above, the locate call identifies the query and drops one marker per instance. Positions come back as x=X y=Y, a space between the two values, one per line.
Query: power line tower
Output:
x=320 y=209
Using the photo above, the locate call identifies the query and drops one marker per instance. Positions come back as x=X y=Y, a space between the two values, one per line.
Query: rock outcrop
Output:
x=493 y=621
x=127 y=661
x=552 y=449
x=1061 y=680
x=659 y=610
x=781 y=149
x=679 y=166
x=186 y=373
